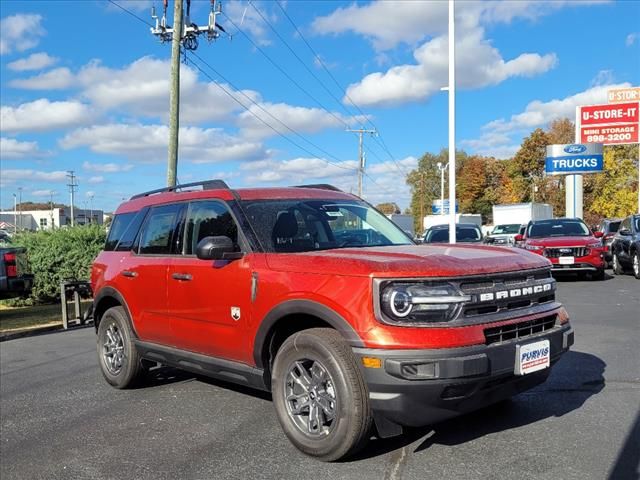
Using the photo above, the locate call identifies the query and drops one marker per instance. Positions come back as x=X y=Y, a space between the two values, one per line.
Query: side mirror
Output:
x=519 y=238
x=217 y=248
x=598 y=234
x=624 y=231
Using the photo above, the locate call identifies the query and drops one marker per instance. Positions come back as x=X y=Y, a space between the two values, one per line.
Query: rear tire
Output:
x=119 y=361
x=320 y=397
x=615 y=262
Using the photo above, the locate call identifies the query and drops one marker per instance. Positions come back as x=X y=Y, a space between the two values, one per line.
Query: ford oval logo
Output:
x=575 y=148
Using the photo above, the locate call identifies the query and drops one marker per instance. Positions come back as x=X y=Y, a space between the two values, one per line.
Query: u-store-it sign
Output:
x=610 y=124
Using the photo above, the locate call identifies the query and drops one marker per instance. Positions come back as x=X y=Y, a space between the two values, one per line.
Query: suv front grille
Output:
x=508 y=292
x=516 y=331
x=566 y=252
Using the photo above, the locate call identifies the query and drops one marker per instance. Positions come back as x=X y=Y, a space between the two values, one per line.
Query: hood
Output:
x=429 y=260
x=563 y=241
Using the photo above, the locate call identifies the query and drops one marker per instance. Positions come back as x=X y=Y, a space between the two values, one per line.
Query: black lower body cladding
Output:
x=422 y=387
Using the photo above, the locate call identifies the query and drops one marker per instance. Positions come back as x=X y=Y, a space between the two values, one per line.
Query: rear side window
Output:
x=159 y=229
x=118 y=227
x=208 y=219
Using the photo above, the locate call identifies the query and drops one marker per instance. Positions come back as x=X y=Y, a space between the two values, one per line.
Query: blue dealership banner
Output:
x=574 y=159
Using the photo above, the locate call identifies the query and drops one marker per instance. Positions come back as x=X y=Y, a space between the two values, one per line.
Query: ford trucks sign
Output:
x=575 y=158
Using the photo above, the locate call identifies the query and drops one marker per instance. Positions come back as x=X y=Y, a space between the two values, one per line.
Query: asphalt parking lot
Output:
x=60 y=420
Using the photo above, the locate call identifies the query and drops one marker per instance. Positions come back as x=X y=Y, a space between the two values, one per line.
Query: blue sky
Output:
x=84 y=87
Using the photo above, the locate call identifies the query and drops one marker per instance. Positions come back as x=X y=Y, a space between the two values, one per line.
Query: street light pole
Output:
x=15 y=214
x=442 y=168
x=452 y=124
x=20 y=203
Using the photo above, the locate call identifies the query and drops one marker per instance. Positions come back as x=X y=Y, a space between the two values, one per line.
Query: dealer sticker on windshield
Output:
x=532 y=357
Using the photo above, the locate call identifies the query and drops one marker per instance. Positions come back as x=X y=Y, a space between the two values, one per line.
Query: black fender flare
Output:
x=302 y=307
x=110 y=292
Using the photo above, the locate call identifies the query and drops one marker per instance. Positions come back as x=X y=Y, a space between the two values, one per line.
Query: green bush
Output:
x=58 y=255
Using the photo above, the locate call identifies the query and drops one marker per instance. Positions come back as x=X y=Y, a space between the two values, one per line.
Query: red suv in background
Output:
x=568 y=243
x=312 y=294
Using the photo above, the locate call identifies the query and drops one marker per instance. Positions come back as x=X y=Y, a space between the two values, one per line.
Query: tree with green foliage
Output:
x=388 y=208
x=615 y=190
x=58 y=255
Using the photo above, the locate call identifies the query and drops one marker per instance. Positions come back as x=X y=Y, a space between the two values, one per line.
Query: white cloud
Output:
x=148 y=143
x=603 y=77
x=11 y=148
x=56 y=79
x=478 y=64
x=299 y=119
x=387 y=24
x=35 y=61
x=297 y=170
x=11 y=176
x=245 y=17
x=96 y=179
x=43 y=115
x=20 y=32
x=501 y=138
x=631 y=38
x=43 y=193
x=106 y=167
x=140 y=6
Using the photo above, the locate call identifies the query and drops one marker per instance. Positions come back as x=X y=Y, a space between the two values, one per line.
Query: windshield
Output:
x=558 y=228
x=463 y=234
x=502 y=229
x=301 y=225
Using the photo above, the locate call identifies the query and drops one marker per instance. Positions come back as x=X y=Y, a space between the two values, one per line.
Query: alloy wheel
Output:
x=310 y=397
x=113 y=349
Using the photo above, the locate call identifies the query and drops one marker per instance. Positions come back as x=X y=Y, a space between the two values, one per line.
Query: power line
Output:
x=130 y=13
x=302 y=62
x=266 y=111
x=326 y=69
x=289 y=77
x=248 y=109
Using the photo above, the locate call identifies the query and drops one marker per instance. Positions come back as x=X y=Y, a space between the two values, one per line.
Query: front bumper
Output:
x=422 y=387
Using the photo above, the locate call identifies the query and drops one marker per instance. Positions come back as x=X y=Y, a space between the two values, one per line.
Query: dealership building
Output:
x=50 y=218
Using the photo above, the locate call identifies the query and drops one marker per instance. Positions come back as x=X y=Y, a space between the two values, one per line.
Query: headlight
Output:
x=594 y=245
x=535 y=248
x=404 y=303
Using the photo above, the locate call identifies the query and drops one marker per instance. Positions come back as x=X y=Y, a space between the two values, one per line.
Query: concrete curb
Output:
x=28 y=332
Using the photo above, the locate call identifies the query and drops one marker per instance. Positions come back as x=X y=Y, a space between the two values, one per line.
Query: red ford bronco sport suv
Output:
x=315 y=296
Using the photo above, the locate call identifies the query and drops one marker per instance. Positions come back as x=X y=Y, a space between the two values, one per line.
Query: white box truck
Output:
x=508 y=218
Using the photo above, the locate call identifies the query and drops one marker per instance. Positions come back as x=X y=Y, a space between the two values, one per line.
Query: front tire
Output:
x=119 y=361
x=615 y=262
x=320 y=397
x=599 y=275
x=636 y=265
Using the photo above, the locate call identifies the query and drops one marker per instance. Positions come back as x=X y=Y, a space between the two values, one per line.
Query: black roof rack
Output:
x=321 y=186
x=206 y=185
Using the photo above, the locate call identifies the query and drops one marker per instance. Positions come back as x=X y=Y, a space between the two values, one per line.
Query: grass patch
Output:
x=18 y=318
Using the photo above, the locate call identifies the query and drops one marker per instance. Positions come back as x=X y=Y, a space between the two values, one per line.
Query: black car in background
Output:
x=609 y=227
x=465 y=233
x=625 y=249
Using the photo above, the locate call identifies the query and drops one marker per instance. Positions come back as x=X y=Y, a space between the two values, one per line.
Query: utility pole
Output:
x=421 y=201
x=91 y=209
x=72 y=190
x=186 y=35
x=15 y=214
x=360 y=132
x=51 y=192
x=20 y=206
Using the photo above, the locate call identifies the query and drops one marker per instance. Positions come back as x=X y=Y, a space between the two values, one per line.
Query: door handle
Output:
x=181 y=276
x=129 y=273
